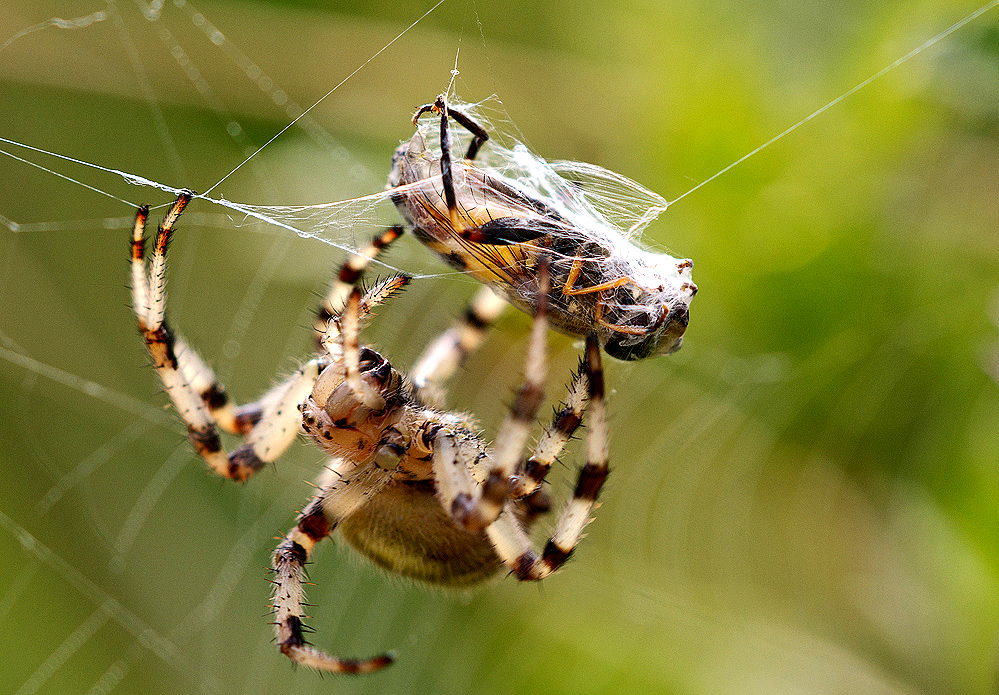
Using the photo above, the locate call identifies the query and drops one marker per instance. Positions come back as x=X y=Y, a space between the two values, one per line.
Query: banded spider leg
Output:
x=268 y=425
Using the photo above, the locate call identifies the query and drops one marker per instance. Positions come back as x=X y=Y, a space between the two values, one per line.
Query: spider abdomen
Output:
x=404 y=529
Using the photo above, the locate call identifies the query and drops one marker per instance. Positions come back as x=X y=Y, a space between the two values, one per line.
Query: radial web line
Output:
x=911 y=54
x=322 y=98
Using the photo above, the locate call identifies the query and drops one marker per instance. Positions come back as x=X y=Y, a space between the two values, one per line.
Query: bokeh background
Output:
x=805 y=499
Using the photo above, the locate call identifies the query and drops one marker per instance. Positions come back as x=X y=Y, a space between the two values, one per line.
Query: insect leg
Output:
x=342 y=491
x=574 y=271
x=609 y=285
x=479 y=134
x=447 y=176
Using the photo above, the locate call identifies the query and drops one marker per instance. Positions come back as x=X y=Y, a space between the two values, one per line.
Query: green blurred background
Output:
x=805 y=499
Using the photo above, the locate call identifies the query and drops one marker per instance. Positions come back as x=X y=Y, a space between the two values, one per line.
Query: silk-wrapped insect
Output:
x=494 y=212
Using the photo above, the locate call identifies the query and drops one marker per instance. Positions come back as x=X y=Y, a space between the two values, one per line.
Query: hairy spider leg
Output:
x=474 y=507
x=343 y=488
x=448 y=351
x=509 y=539
x=268 y=425
x=348 y=276
x=453 y=472
x=349 y=334
x=557 y=434
x=442 y=357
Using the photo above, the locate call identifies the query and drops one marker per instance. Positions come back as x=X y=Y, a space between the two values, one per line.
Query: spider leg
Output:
x=508 y=537
x=553 y=440
x=453 y=462
x=269 y=425
x=235 y=419
x=450 y=349
x=350 y=335
x=349 y=275
x=475 y=509
x=343 y=488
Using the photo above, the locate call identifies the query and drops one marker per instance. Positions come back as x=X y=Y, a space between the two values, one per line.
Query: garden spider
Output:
x=414 y=488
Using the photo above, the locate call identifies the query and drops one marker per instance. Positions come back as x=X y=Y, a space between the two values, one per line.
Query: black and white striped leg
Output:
x=350 y=328
x=563 y=426
x=344 y=488
x=508 y=537
x=270 y=424
x=476 y=510
x=450 y=349
x=453 y=463
x=234 y=419
x=348 y=276
x=342 y=335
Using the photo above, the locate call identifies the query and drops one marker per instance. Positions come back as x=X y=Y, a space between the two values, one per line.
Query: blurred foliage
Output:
x=803 y=500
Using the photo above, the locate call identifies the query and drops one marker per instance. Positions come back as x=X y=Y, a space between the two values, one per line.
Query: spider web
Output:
x=800 y=497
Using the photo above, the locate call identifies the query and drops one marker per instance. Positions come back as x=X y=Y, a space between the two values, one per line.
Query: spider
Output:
x=413 y=487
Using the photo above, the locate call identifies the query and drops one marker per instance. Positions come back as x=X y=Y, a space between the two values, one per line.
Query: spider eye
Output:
x=368 y=357
x=374 y=364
